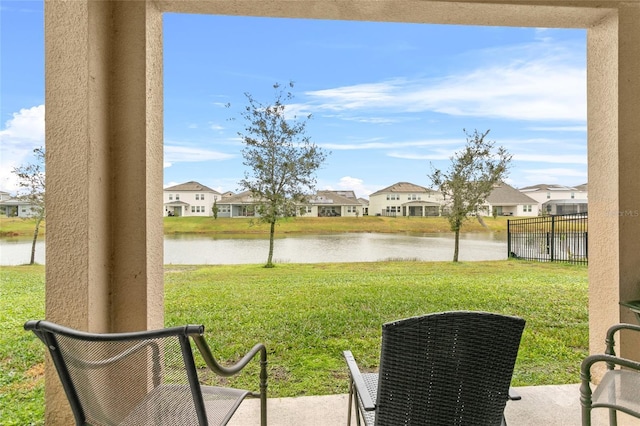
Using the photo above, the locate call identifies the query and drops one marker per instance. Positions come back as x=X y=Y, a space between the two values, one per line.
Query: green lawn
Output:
x=13 y=227
x=307 y=314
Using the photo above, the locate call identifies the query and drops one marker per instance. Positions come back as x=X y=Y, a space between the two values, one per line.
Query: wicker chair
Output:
x=144 y=378
x=451 y=368
x=620 y=386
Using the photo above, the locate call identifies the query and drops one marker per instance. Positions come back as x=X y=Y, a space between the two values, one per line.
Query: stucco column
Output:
x=613 y=65
x=104 y=171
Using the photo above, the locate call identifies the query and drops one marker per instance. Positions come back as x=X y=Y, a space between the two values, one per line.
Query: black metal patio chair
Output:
x=450 y=368
x=619 y=388
x=145 y=377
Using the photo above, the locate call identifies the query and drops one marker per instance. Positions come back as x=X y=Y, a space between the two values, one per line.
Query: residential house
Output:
x=237 y=205
x=558 y=199
x=505 y=200
x=15 y=207
x=365 y=206
x=333 y=203
x=190 y=199
x=405 y=199
x=322 y=204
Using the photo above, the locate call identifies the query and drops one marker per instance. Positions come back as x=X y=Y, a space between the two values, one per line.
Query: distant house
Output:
x=237 y=205
x=559 y=199
x=333 y=203
x=365 y=206
x=190 y=199
x=405 y=199
x=323 y=204
x=15 y=207
x=505 y=200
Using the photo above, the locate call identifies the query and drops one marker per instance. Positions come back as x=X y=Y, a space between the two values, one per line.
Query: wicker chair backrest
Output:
x=451 y=368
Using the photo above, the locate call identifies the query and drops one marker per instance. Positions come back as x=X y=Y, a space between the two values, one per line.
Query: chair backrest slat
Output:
x=450 y=368
x=126 y=378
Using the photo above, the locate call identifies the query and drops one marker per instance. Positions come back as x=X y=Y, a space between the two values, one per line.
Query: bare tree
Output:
x=31 y=180
x=282 y=160
x=473 y=173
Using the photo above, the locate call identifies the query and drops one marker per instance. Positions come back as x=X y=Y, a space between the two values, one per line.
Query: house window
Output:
x=193 y=209
x=573 y=195
x=170 y=197
x=197 y=197
x=526 y=208
x=548 y=195
x=177 y=197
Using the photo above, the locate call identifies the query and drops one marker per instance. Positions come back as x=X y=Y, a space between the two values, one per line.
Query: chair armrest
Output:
x=610 y=341
x=358 y=382
x=203 y=347
x=513 y=395
x=585 y=368
x=585 y=372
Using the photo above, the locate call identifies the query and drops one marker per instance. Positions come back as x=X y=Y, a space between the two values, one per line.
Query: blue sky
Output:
x=389 y=101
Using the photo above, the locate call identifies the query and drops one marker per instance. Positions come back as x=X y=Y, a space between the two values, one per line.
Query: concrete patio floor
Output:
x=540 y=406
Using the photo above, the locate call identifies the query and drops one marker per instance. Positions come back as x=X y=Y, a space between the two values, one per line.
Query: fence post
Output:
x=553 y=238
x=508 y=239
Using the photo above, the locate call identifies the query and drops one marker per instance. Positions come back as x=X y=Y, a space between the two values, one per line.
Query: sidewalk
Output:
x=540 y=406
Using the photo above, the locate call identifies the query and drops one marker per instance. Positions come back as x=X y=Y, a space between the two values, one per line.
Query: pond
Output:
x=347 y=247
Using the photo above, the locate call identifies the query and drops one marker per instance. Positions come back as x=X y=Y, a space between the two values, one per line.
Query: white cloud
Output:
x=183 y=154
x=352 y=183
x=386 y=145
x=551 y=158
x=20 y=136
x=564 y=176
x=535 y=81
x=558 y=128
x=557 y=172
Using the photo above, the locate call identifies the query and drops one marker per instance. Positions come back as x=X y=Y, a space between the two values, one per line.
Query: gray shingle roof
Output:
x=191 y=186
x=404 y=187
x=505 y=194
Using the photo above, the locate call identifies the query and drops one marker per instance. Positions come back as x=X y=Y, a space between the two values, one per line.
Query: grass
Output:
x=13 y=227
x=307 y=314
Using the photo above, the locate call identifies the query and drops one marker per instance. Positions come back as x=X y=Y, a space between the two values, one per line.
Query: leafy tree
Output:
x=282 y=160
x=215 y=209
x=31 y=180
x=473 y=173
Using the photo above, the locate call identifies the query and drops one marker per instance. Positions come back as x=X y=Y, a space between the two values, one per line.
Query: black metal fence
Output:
x=559 y=238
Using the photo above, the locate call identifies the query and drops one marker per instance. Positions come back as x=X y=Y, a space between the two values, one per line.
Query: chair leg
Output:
x=613 y=417
x=350 y=401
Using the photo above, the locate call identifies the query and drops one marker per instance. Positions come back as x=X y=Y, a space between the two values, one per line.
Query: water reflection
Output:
x=360 y=247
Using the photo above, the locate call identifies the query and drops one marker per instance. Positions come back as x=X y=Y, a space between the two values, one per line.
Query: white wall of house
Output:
x=512 y=210
x=389 y=203
x=198 y=203
x=544 y=195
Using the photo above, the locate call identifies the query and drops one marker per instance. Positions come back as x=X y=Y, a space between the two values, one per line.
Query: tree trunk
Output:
x=35 y=238
x=272 y=232
x=456 y=245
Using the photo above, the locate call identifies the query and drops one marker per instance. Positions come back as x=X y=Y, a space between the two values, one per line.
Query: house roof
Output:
x=569 y=201
x=403 y=187
x=346 y=194
x=548 y=187
x=191 y=186
x=421 y=203
x=244 y=197
x=333 y=198
x=363 y=201
x=503 y=194
x=583 y=187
